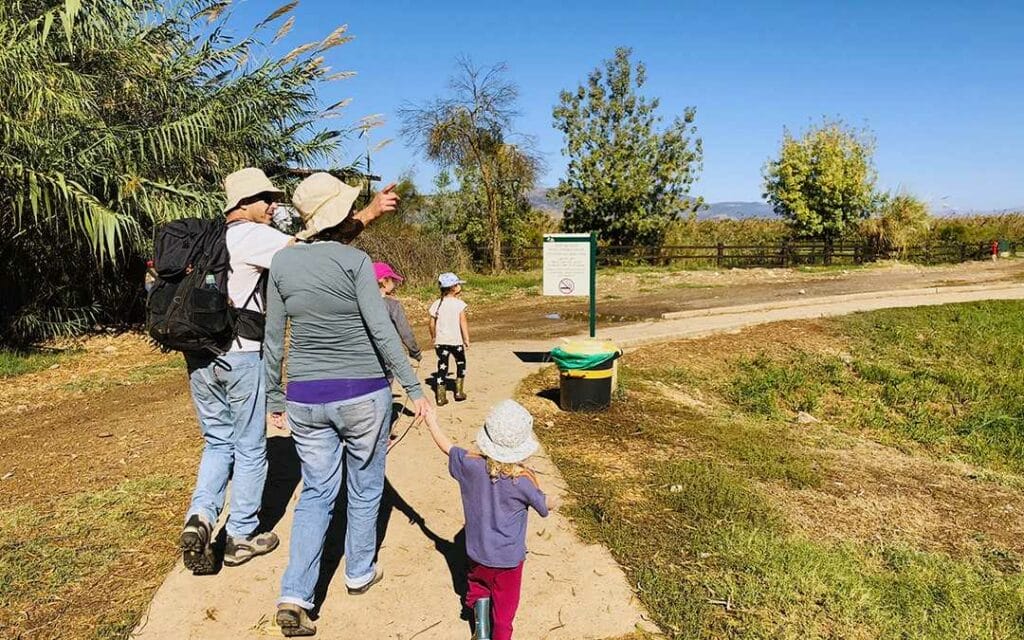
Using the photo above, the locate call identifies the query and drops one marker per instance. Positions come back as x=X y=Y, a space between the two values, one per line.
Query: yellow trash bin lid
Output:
x=589 y=346
x=584 y=353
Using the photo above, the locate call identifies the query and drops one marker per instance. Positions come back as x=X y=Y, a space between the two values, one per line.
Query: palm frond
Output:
x=130 y=118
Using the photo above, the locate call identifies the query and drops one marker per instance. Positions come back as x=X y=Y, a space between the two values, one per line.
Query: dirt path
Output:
x=626 y=298
x=571 y=590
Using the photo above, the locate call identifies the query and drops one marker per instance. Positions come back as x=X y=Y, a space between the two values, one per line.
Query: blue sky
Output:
x=941 y=84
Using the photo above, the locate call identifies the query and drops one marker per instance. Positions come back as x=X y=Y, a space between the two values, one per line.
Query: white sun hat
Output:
x=323 y=202
x=246 y=183
x=507 y=434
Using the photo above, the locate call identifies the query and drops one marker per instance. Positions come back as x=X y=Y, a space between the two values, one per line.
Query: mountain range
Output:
x=541 y=198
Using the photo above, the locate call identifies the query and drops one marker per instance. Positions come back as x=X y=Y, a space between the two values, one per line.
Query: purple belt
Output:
x=336 y=390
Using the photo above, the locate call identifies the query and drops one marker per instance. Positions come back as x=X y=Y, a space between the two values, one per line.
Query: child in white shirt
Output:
x=450 y=332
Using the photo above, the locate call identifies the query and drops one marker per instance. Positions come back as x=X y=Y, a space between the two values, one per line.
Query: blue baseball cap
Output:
x=449 y=279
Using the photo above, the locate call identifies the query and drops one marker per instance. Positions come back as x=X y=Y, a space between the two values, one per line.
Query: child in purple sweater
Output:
x=497 y=491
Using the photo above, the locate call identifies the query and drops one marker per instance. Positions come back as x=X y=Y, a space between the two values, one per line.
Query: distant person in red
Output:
x=995 y=250
x=150 y=280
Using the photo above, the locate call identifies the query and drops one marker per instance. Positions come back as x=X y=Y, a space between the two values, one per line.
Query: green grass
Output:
x=486 y=288
x=47 y=552
x=691 y=512
x=16 y=363
x=945 y=378
x=833 y=268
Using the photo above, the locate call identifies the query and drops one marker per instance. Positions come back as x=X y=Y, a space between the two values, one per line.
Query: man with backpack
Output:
x=226 y=377
x=228 y=388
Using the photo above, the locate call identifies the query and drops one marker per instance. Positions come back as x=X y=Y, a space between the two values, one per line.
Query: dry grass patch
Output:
x=93 y=364
x=877 y=494
x=98 y=457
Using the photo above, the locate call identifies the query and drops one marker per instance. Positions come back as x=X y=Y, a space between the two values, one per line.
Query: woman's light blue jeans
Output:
x=358 y=430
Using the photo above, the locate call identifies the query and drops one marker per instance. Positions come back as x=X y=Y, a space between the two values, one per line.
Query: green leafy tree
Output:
x=442 y=206
x=823 y=183
x=626 y=179
x=119 y=115
x=470 y=131
x=517 y=219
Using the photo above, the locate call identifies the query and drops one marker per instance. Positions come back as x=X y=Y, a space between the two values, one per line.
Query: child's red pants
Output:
x=502 y=586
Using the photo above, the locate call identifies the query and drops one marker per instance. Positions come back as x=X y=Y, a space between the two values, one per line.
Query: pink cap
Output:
x=384 y=270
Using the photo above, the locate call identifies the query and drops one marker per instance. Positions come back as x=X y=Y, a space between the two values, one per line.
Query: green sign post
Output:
x=570 y=268
x=593 y=284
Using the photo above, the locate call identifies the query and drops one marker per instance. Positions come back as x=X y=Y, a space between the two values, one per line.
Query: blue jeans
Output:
x=358 y=430
x=231 y=407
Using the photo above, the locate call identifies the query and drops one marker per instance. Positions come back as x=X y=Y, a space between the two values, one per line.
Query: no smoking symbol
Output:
x=566 y=286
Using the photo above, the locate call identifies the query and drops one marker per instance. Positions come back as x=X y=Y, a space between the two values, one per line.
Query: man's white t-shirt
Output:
x=251 y=246
x=447 y=312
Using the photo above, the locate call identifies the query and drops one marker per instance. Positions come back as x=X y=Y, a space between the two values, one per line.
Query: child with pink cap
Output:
x=388 y=279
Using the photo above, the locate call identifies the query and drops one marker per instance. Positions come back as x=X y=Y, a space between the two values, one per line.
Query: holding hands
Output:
x=423 y=409
x=277 y=420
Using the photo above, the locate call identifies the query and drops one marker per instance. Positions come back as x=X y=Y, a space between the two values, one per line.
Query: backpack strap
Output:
x=261 y=288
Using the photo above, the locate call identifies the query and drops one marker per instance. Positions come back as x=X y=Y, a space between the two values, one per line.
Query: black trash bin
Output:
x=587 y=372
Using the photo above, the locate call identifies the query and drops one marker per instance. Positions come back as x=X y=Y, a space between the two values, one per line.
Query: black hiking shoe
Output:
x=241 y=550
x=196 y=550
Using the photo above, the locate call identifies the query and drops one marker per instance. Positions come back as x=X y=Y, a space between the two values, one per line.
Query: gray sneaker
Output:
x=196 y=552
x=241 y=550
x=294 y=621
x=377 y=577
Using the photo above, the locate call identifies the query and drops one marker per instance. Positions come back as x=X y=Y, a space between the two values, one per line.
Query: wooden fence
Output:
x=785 y=254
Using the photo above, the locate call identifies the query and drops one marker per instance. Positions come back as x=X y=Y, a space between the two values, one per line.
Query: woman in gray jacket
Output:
x=338 y=401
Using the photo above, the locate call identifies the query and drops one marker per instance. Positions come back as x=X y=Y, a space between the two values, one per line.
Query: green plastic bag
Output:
x=581 y=361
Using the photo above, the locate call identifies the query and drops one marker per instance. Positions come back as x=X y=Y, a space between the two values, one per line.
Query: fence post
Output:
x=720 y=254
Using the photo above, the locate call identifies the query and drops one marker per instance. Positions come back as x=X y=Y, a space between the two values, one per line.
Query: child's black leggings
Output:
x=445 y=350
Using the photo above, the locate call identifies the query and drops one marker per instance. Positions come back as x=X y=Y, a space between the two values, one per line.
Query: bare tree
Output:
x=470 y=129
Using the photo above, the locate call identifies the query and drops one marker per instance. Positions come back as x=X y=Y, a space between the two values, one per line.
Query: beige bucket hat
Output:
x=247 y=183
x=323 y=202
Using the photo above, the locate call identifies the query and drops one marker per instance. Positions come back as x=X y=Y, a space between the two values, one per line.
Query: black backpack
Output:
x=188 y=308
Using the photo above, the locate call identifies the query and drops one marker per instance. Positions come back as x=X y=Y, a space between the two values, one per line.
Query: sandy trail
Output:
x=571 y=590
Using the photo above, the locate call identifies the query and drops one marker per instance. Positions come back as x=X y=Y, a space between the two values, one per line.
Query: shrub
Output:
x=417 y=255
x=901 y=222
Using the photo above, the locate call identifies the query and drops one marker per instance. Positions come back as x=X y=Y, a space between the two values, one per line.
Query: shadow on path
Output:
x=283 y=475
x=554 y=395
x=533 y=357
x=283 y=478
x=454 y=551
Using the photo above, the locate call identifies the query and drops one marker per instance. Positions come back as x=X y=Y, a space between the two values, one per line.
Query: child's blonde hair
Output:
x=512 y=470
x=497 y=469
